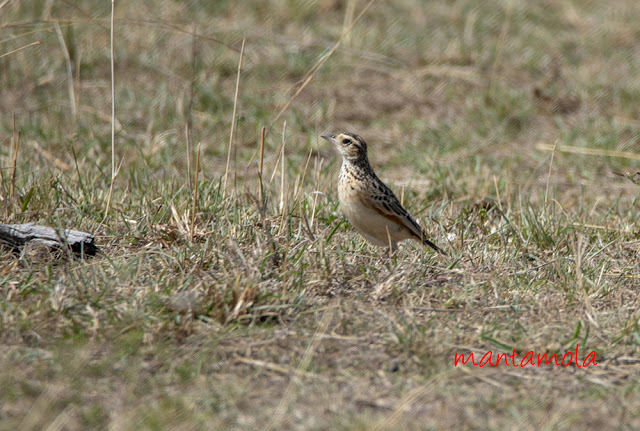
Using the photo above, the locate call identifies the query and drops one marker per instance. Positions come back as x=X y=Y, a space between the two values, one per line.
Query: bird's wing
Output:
x=382 y=199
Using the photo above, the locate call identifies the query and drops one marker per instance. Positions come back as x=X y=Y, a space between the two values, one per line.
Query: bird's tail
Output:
x=426 y=241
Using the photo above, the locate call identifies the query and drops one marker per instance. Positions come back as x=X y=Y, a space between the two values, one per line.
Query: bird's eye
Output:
x=345 y=141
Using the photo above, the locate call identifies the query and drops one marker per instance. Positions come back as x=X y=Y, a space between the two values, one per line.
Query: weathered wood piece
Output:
x=16 y=236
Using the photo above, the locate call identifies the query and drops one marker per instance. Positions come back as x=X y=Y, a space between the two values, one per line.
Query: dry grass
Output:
x=255 y=304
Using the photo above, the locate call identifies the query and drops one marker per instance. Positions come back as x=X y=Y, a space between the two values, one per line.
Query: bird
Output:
x=369 y=205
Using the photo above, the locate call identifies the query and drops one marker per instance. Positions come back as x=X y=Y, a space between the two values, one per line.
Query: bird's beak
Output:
x=330 y=138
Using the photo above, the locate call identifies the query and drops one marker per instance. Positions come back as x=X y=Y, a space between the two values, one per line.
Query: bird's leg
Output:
x=391 y=251
x=384 y=257
x=392 y=244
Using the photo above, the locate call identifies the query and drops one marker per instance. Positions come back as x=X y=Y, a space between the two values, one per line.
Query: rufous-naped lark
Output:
x=371 y=207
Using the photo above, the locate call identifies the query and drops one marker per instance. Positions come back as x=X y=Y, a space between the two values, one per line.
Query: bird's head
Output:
x=351 y=146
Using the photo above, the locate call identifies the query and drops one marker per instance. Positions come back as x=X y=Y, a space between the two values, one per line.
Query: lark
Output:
x=371 y=207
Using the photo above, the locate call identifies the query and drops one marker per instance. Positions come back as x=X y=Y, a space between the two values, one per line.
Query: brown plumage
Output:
x=371 y=207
